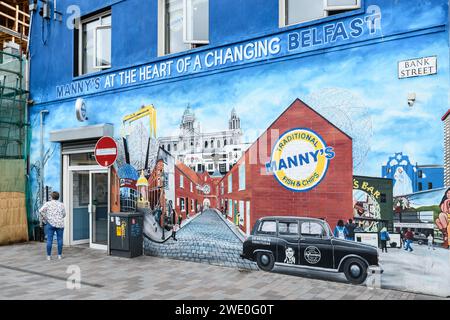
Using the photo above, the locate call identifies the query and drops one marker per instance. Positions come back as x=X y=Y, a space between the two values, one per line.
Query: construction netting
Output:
x=14 y=148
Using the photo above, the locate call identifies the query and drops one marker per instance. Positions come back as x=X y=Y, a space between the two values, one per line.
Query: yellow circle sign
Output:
x=300 y=159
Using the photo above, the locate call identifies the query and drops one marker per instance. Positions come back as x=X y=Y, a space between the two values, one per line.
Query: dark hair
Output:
x=350 y=221
x=340 y=223
x=444 y=197
x=55 y=195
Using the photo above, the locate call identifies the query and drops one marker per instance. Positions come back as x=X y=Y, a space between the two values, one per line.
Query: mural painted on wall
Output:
x=372 y=202
x=409 y=177
x=163 y=173
x=429 y=208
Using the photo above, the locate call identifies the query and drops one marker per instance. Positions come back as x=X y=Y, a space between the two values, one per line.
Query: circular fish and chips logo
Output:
x=300 y=159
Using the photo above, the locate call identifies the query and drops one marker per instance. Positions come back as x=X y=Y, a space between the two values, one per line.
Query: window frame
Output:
x=162 y=15
x=283 y=18
x=97 y=67
x=289 y=234
x=230 y=183
x=274 y=233
x=242 y=177
x=310 y=236
x=99 y=16
x=181 y=181
x=185 y=24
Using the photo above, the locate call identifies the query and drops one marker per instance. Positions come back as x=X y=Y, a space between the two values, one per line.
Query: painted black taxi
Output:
x=308 y=243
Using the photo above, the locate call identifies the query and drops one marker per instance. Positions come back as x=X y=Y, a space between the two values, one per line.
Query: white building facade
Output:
x=214 y=152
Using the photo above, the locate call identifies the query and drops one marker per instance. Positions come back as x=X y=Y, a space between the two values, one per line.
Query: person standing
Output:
x=409 y=237
x=430 y=242
x=340 y=231
x=52 y=214
x=350 y=226
x=384 y=237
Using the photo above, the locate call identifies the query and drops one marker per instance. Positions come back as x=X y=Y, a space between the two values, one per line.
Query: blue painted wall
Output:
x=432 y=175
x=232 y=20
x=135 y=31
x=361 y=69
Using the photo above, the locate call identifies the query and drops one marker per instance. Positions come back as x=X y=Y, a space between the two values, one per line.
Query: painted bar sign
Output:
x=417 y=67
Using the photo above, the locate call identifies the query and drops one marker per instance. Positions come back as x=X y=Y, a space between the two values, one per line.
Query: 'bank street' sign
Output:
x=417 y=67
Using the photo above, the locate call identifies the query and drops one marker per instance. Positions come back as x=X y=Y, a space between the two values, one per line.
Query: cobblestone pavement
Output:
x=207 y=239
x=25 y=274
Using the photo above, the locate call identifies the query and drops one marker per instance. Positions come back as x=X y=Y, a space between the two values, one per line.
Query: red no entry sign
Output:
x=106 y=151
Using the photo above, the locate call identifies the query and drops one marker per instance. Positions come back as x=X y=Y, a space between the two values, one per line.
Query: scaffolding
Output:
x=13 y=107
x=14 y=23
x=14 y=138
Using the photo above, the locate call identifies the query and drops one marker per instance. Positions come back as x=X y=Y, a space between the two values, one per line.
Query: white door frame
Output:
x=91 y=211
x=68 y=195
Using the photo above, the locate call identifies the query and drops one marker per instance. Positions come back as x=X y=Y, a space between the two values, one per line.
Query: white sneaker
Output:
x=49 y=258
x=59 y=257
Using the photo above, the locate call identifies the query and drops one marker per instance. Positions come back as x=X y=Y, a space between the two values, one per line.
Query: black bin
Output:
x=125 y=234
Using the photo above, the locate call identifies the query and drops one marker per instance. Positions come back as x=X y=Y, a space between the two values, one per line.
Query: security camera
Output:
x=411 y=99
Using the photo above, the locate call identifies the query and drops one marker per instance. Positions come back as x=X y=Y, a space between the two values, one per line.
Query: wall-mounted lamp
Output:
x=45 y=11
x=411 y=99
x=32 y=5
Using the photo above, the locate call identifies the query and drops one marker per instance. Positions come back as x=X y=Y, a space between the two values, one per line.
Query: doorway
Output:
x=87 y=198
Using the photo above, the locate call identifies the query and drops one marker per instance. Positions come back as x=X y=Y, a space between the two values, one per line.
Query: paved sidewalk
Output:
x=25 y=274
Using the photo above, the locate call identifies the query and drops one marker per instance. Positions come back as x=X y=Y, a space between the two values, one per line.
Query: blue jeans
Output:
x=408 y=245
x=50 y=231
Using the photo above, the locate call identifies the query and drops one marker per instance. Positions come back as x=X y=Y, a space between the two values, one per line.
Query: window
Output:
x=312 y=229
x=230 y=208
x=210 y=167
x=420 y=186
x=230 y=183
x=288 y=228
x=297 y=11
x=181 y=181
x=174 y=147
x=93 y=44
x=420 y=174
x=242 y=176
x=206 y=144
x=269 y=227
x=192 y=205
x=430 y=185
x=383 y=198
x=191 y=187
x=183 y=25
x=168 y=147
x=182 y=207
x=222 y=188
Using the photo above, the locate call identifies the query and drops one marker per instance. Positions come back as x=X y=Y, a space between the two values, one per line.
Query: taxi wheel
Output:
x=355 y=271
x=265 y=261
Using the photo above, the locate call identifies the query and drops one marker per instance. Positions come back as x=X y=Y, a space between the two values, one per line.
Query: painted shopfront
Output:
x=354 y=110
x=372 y=203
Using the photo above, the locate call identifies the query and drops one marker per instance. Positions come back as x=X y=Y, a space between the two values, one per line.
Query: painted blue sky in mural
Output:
x=260 y=94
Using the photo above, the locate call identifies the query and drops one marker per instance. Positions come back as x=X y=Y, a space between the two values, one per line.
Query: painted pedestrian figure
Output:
x=409 y=237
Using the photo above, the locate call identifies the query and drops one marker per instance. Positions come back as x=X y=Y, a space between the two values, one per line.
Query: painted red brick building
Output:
x=249 y=192
x=187 y=194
